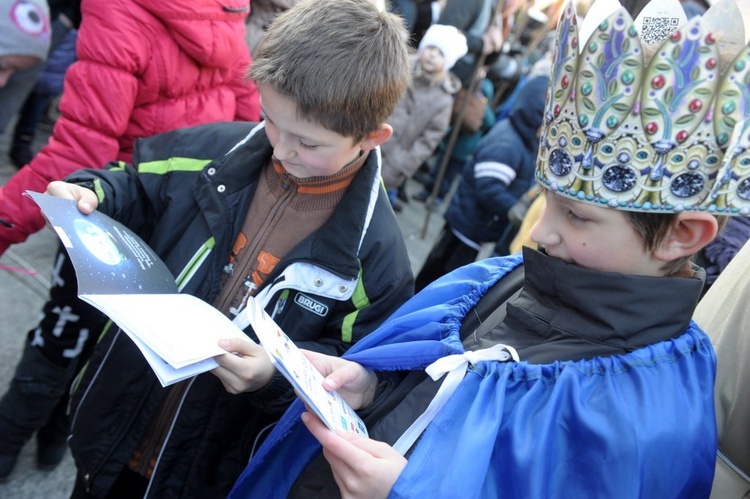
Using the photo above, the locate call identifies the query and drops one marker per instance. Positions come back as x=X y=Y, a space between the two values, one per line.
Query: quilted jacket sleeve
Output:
x=497 y=162
x=100 y=93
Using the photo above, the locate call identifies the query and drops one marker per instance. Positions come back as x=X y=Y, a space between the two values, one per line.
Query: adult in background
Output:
x=484 y=35
x=417 y=15
x=144 y=67
x=723 y=313
x=261 y=14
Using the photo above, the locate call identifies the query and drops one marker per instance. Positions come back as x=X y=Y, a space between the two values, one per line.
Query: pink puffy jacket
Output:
x=144 y=67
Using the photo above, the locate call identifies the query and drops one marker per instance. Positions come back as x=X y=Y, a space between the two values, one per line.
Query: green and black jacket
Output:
x=187 y=194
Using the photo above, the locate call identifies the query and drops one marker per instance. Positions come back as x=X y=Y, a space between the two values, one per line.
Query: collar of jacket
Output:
x=573 y=312
x=336 y=245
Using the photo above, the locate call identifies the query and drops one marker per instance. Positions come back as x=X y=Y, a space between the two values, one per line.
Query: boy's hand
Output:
x=362 y=467
x=85 y=198
x=248 y=370
x=354 y=383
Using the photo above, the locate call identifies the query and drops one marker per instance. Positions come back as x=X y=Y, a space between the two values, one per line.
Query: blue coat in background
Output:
x=501 y=170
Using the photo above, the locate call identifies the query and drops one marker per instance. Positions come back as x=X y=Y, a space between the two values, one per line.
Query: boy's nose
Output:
x=282 y=149
x=536 y=233
x=543 y=231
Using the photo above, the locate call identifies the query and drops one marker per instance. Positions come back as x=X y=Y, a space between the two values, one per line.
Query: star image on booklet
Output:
x=330 y=407
x=119 y=274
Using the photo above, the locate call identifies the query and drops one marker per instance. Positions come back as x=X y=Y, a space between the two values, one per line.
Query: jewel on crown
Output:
x=655 y=120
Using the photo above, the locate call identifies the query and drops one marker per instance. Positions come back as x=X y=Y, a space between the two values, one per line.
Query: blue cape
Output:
x=635 y=425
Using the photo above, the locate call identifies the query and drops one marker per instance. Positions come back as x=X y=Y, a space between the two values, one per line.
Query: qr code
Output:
x=656 y=29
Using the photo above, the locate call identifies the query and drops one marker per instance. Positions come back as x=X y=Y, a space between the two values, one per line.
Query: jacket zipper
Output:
x=278 y=210
x=166 y=439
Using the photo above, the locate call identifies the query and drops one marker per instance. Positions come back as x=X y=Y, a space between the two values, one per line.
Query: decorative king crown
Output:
x=664 y=135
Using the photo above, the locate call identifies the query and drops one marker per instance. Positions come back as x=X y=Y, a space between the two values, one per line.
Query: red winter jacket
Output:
x=144 y=67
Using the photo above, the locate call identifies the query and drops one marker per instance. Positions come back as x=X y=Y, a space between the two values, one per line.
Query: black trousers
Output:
x=129 y=485
x=448 y=254
x=55 y=350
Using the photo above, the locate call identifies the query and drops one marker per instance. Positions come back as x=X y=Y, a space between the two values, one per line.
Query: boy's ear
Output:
x=376 y=137
x=690 y=233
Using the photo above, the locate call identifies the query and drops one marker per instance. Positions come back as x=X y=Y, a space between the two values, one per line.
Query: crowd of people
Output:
x=263 y=149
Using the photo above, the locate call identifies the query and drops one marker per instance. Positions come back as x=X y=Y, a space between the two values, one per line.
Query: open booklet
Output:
x=178 y=334
x=121 y=275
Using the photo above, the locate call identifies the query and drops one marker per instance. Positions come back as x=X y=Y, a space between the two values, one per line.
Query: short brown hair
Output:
x=343 y=63
x=653 y=229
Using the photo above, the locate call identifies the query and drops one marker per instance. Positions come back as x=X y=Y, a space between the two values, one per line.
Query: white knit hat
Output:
x=450 y=41
x=25 y=28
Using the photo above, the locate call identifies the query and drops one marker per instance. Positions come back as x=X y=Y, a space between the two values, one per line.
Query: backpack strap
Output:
x=491 y=308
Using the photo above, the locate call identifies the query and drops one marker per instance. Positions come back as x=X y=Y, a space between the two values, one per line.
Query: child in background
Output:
x=573 y=371
x=498 y=174
x=25 y=25
x=423 y=115
x=291 y=211
x=466 y=144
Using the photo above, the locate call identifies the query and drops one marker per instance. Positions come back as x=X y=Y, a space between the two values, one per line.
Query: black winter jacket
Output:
x=190 y=207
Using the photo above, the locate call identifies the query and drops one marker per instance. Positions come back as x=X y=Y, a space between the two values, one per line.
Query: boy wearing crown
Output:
x=588 y=379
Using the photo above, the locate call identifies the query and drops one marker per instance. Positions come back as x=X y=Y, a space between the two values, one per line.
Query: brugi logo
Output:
x=311 y=305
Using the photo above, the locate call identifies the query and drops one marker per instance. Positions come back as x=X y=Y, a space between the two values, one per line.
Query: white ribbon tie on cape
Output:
x=456 y=367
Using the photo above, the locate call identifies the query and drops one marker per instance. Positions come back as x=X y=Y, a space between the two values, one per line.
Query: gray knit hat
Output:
x=24 y=28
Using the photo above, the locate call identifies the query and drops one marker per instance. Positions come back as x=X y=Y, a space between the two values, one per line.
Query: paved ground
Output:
x=24 y=281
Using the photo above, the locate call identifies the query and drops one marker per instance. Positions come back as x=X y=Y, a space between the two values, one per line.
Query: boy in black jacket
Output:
x=291 y=212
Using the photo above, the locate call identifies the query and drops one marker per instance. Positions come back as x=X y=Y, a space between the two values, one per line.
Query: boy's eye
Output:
x=575 y=218
x=306 y=146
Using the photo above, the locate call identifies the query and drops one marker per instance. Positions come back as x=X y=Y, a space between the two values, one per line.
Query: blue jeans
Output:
x=392 y=196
